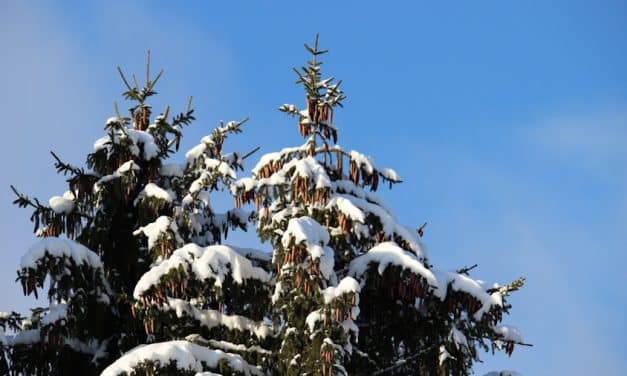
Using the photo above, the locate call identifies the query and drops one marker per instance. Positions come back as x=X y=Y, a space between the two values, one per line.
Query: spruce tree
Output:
x=139 y=280
x=126 y=214
x=355 y=292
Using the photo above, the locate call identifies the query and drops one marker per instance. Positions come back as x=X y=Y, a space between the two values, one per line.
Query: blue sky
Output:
x=507 y=120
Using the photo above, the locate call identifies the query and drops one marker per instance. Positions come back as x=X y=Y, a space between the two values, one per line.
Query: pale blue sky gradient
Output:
x=507 y=120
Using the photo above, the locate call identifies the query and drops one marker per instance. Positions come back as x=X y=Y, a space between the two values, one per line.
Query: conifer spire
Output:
x=321 y=98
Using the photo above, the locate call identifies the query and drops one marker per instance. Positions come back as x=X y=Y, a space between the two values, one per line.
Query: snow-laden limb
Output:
x=126 y=169
x=462 y=283
x=252 y=253
x=57 y=247
x=63 y=260
x=306 y=231
x=341 y=307
x=152 y=190
x=391 y=228
x=62 y=204
x=360 y=163
x=186 y=356
x=203 y=263
x=306 y=172
x=210 y=147
x=278 y=158
x=348 y=187
x=348 y=285
x=37 y=336
x=310 y=169
x=228 y=346
x=221 y=167
x=162 y=227
x=509 y=333
x=136 y=140
x=211 y=318
x=390 y=254
x=346 y=206
x=194 y=153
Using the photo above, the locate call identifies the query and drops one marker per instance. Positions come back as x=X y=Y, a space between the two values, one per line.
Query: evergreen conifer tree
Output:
x=132 y=255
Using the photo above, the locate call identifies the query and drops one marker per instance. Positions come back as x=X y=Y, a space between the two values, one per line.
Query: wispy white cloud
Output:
x=593 y=137
x=513 y=220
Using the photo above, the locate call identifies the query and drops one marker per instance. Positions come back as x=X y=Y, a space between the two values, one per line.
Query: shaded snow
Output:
x=56 y=312
x=172 y=170
x=211 y=318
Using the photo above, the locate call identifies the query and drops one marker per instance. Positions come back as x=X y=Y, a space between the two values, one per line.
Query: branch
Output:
x=466 y=269
x=23 y=201
x=251 y=152
x=65 y=167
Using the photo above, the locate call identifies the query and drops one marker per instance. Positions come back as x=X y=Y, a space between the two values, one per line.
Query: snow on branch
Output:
x=211 y=318
x=159 y=232
x=390 y=254
x=62 y=204
x=352 y=206
x=214 y=261
x=139 y=143
x=465 y=284
x=211 y=146
x=152 y=190
x=57 y=247
x=184 y=355
x=305 y=231
x=61 y=258
x=367 y=166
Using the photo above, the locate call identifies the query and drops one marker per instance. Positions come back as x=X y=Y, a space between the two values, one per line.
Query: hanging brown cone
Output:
x=257 y=203
x=327 y=135
x=375 y=182
x=354 y=172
